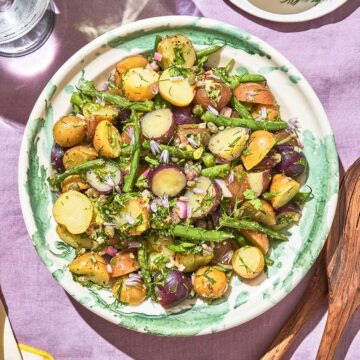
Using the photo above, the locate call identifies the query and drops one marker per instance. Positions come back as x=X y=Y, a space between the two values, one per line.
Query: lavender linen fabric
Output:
x=326 y=51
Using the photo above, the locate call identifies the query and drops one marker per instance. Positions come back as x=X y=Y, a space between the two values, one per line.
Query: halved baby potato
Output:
x=158 y=125
x=272 y=111
x=260 y=143
x=78 y=155
x=107 y=140
x=74 y=210
x=69 y=131
x=133 y=218
x=73 y=182
x=178 y=92
x=284 y=189
x=210 y=283
x=129 y=291
x=131 y=62
x=124 y=263
x=237 y=182
x=256 y=93
x=248 y=262
x=192 y=262
x=93 y=266
x=176 y=49
x=229 y=143
x=138 y=83
x=263 y=213
x=74 y=240
x=257 y=239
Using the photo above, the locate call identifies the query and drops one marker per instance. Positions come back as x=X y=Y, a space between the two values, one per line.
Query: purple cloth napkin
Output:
x=326 y=51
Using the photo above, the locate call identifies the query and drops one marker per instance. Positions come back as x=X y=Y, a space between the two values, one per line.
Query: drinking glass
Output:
x=24 y=25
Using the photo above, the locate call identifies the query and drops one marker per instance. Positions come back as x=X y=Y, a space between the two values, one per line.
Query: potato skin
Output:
x=107 y=140
x=129 y=294
x=210 y=283
x=265 y=214
x=238 y=184
x=69 y=131
x=272 y=111
x=123 y=263
x=260 y=143
x=285 y=189
x=254 y=93
x=91 y=265
x=76 y=241
x=204 y=97
x=78 y=155
x=257 y=239
x=135 y=61
x=137 y=83
x=248 y=262
x=73 y=182
x=192 y=261
x=92 y=122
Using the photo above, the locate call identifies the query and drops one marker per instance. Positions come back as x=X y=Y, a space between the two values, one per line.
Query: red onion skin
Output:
x=176 y=289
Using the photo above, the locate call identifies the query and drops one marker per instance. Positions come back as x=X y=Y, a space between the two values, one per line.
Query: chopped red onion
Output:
x=198 y=191
x=224 y=189
x=154 y=88
x=133 y=245
x=231 y=177
x=208 y=73
x=111 y=251
x=153 y=206
x=157 y=56
x=212 y=110
x=146 y=173
x=263 y=112
x=226 y=111
x=181 y=209
x=153 y=65
x=165 y=201
x=146 y=193
x=108 y=268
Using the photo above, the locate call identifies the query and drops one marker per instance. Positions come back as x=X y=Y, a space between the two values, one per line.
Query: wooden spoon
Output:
x=316 y=292
x=343 y=264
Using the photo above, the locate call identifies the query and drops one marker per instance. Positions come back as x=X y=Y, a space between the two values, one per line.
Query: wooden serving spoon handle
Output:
x=312 y=299
x=343 y=267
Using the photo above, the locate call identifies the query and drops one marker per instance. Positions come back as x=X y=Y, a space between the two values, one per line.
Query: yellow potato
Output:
x=176 y=49
x=129 y=291
x=78 y=155
x=177 y=92
x=138 y=83
x=254 y=93
x=264 y=213
x=133 y=218
x=69 y=131
x=260 y=143
x=74 y=210
x=73 y=182
x=135 y=61
x=193 y=261
x=210 y=283
x=248 y=262
x=74 y=240
x=272 y=111
x=257 y=239
x=93 y=266
x=228 y=144
x=284 y=188
x=107 y=140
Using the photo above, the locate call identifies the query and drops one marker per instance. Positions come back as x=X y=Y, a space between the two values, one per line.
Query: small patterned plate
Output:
x=245 y=300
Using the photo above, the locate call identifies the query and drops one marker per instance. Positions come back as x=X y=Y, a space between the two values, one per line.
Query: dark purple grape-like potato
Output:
x=269 y=161
x=184 y=115
x=124 y=115
x=222 y=253
x=176 y=288
x=293 y=163
x=287 y=215
x=57 y=154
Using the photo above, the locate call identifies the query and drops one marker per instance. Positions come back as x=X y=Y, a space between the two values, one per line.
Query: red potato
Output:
x=213 y=93
x=123 y=263
x=203 y=197
x=158 y=125
x=237 y=184
x=272 y=111
x=167 y=180
x=257 y=239
x=186 y=130
x=254 y=93
x=259 y=181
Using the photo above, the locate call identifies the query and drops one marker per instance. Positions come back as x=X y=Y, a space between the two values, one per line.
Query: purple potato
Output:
x=287 y=137
x=107 y=182
x=293 y=163
x=269 y=161
x=57 y=155
x=184 y=115
x=167 y=180
x=222 y=253
x=176 y=288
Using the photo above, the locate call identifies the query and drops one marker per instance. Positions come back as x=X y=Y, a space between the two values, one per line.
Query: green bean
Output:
x=199 y=234
x=251 y=225
x=158 y=38
x=135 y=154
x=208 y=51
x=76 y=170
x=216 y=171
x=220 y=120
x=145 y=271
x=236 y=80
x=229 y=66
x=302 y=197
x=240 y=108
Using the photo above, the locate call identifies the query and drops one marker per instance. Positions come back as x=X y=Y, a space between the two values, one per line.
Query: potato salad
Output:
x=174 y=176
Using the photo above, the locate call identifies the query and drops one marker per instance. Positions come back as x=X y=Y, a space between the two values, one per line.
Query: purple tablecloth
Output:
x=327 y=52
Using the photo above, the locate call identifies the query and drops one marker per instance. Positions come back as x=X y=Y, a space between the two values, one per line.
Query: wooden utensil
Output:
x=343 y=264
x=316 y=292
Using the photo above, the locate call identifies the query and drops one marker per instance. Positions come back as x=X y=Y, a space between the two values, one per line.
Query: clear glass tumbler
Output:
x=24 y=25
